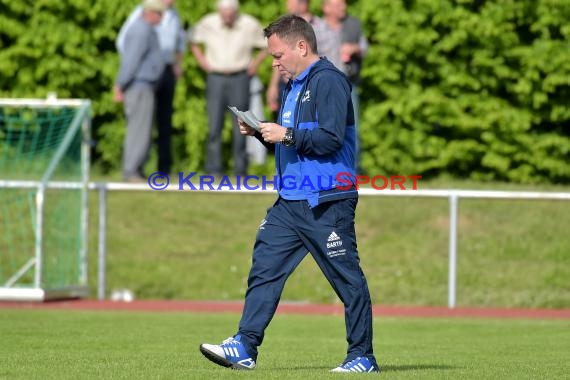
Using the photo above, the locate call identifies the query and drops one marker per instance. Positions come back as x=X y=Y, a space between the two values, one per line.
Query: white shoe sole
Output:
x=220 y=360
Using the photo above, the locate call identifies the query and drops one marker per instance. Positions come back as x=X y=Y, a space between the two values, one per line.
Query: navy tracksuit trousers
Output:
x=290 y=230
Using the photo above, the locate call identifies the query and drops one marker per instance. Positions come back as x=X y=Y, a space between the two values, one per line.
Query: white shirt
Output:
x=228 y=49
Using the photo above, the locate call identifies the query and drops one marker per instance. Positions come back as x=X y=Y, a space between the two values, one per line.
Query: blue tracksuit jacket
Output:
x=325 y=135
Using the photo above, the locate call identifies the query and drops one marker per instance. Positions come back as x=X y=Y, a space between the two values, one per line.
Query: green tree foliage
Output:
x=68 y=47
x=468 y=88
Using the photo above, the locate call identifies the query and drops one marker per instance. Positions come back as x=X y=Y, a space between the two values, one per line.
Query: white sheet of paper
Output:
x=248 y=117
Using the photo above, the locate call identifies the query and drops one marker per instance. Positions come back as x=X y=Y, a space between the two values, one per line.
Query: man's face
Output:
x=286 y=58
x=154 y=17
x=228 y=15
x=335 y=8
x=296 y=7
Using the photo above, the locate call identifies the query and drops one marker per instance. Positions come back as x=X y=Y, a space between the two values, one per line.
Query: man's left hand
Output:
x=272 y=133
x=177 y=68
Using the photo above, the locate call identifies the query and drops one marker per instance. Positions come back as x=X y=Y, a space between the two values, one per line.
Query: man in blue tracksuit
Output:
x=314 y=142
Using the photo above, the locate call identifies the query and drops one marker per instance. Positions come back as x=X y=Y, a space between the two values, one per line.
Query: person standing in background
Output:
x=229 y=39
x=142 y=65
x=256 y=152
x=172 y=40
x=343 y=42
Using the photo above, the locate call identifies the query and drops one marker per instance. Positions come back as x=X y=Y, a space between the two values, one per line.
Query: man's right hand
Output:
x=118 y=94
x=245 y=129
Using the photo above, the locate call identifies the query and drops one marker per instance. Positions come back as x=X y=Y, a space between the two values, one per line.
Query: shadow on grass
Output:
x=414 y=367
x=383 y=368
x=301 y=367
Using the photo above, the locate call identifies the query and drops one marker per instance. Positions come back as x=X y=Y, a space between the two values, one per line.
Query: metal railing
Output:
x=453 y=197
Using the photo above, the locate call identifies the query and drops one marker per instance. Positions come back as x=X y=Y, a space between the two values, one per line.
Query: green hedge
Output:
x=473 y=89
x=466 y=88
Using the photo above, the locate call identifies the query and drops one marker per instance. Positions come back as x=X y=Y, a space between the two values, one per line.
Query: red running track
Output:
x=291 y=308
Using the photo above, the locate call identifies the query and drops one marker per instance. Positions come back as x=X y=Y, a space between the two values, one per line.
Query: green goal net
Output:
x=44 y=170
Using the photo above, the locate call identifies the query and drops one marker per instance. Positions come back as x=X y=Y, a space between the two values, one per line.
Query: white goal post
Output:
x=44 y=178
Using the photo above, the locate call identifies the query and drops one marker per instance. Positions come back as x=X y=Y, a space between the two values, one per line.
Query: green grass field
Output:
x=188 y=245
x=51 y=344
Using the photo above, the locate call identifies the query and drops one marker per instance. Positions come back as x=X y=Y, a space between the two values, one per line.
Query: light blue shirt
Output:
x=171 y=34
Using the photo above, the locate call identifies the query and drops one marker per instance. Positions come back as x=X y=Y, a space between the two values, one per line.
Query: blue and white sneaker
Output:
x=360 y=364
x=231 y=353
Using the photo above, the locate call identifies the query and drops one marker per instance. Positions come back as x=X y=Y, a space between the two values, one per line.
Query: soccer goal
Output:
x=44 y=178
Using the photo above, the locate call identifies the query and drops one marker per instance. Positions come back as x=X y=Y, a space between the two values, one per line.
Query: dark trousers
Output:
x=164 y=110
x=223 y=91
x=290 y=230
